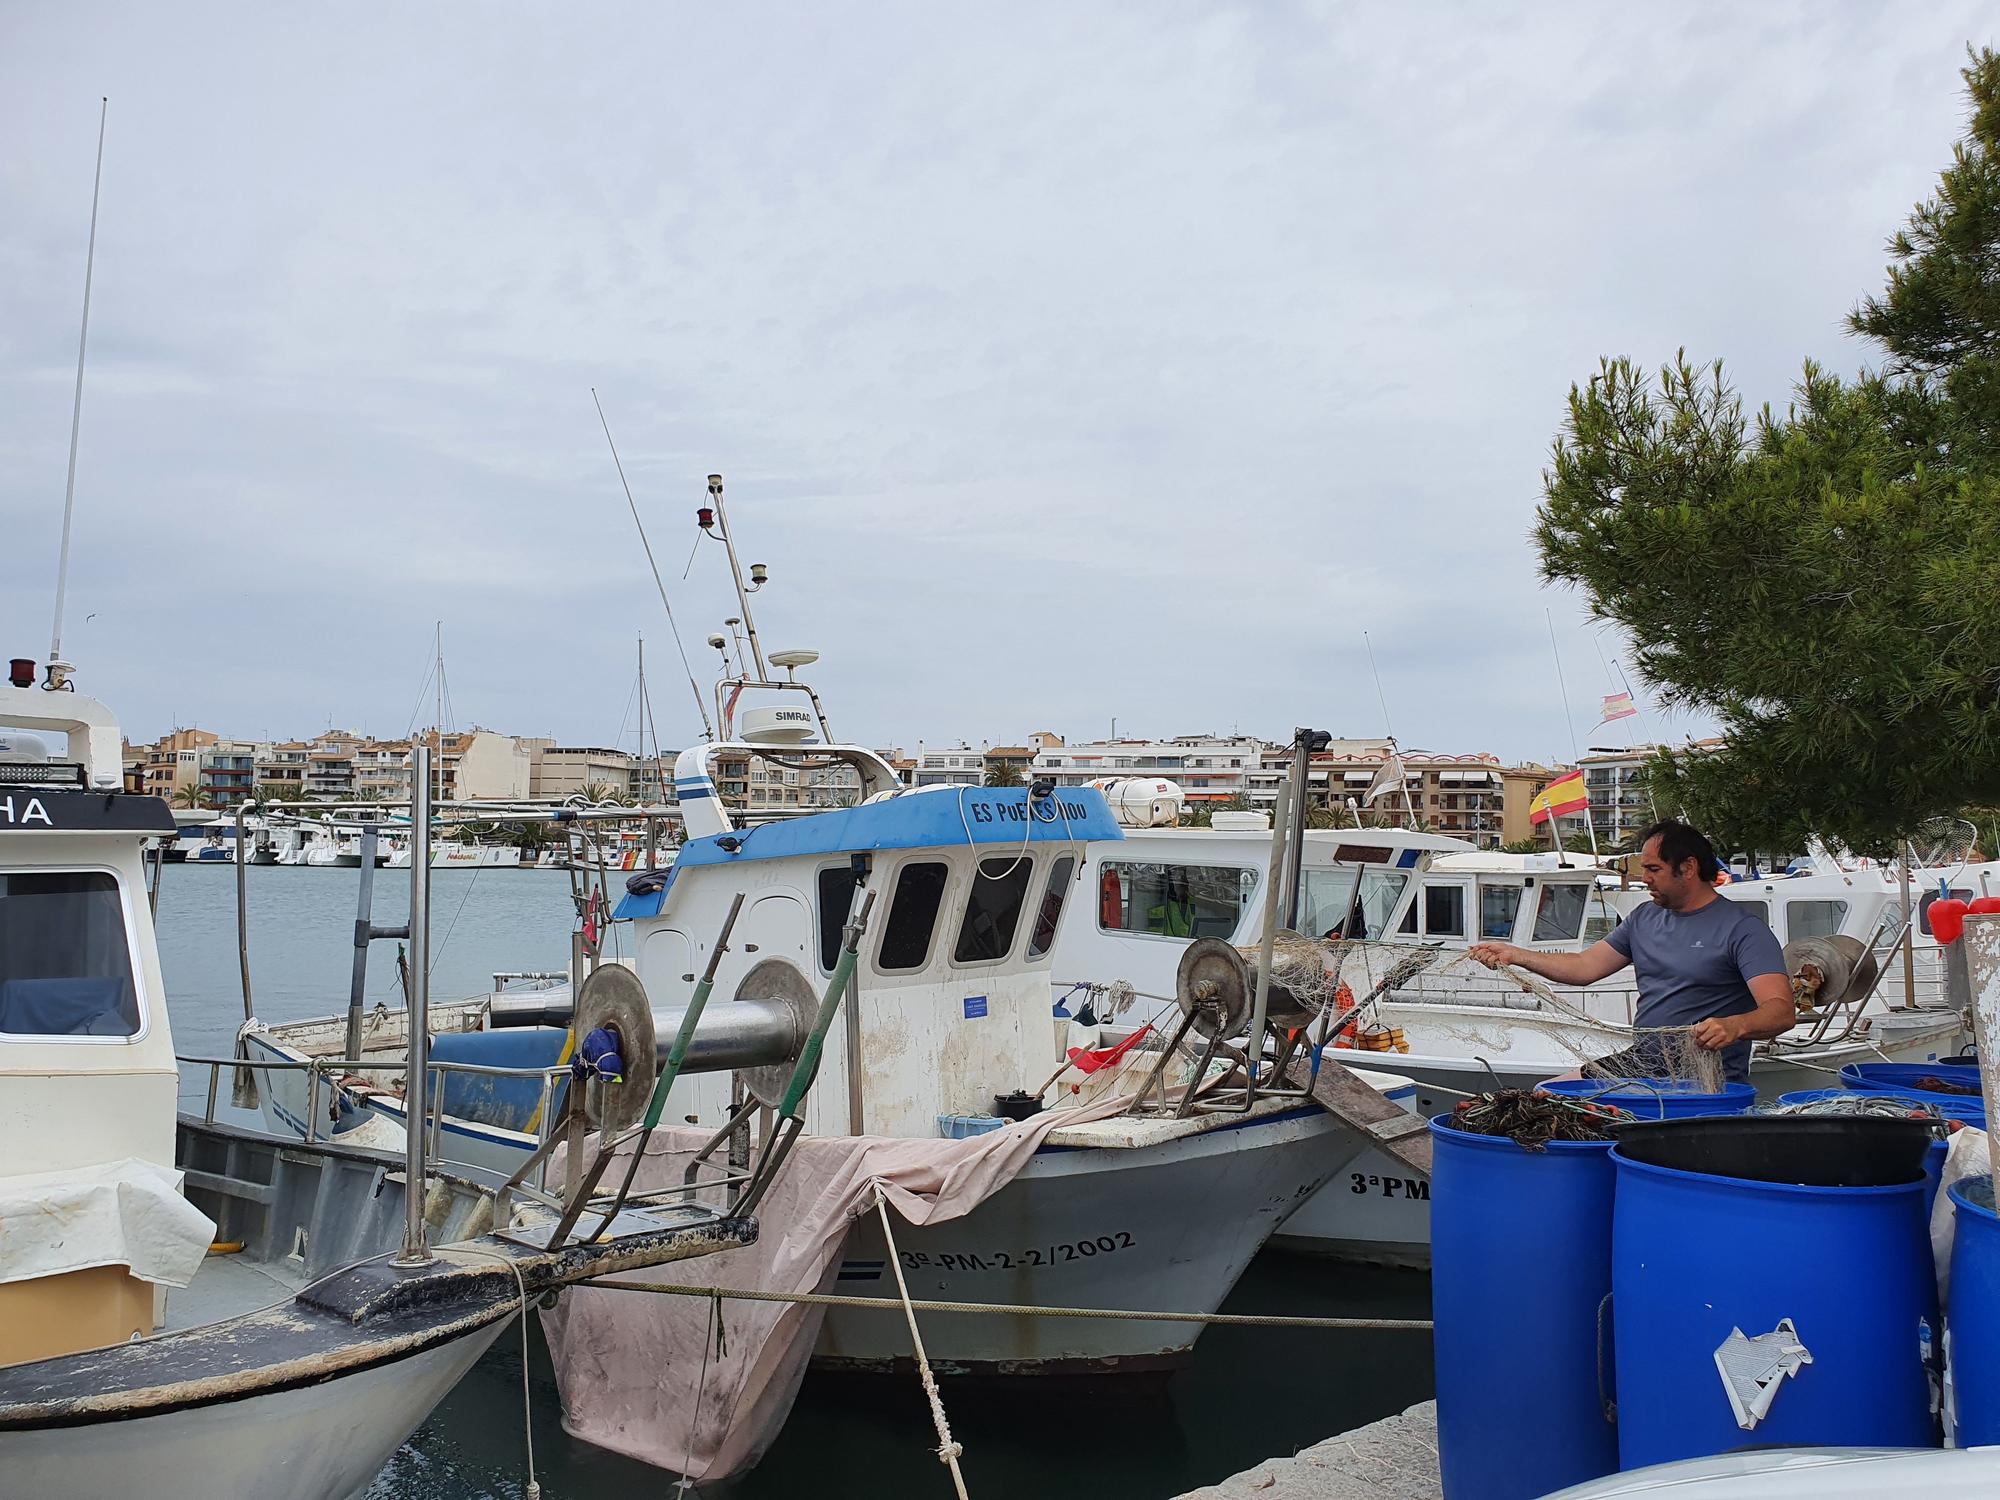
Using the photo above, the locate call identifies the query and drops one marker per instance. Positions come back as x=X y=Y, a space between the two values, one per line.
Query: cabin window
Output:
x=1760 y=909
x=1181 y=901
x=1444 y=911
x=836 y=899
x=993 y=909
x=1326 y=898
x=1559 y=912
x=1053 y=896
x=1814 y=918
x=1498 y=907
x=65 y=962
x=1380 y=891
x=913 y=912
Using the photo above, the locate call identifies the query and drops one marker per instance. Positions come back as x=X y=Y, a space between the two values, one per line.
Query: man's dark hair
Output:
x=1679 y=843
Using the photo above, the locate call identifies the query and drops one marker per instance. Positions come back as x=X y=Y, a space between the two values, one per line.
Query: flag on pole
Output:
x=1564 y=795
x=1618 y=706
x=1388 y=778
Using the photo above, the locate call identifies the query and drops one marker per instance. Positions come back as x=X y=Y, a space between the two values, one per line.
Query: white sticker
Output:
x=1752 y=1368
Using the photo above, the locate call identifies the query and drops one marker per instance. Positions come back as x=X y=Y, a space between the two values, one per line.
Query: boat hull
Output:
x=1102 y=1227
x=323 y=1441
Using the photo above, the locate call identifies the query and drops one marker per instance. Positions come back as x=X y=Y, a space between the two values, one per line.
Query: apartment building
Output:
x=226 y=771
x=477 y=765
x=282 y=767
x=558 y=772
x=1208 y=768
x=959 y=766
x=173 y=762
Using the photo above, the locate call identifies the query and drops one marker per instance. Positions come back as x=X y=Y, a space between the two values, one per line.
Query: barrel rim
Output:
x=1612 y=1088
x=1960 y=1201
x=1919 y=1183
x=1441 y=1128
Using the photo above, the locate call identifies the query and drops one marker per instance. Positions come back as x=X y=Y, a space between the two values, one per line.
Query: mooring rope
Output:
x=948 y=1448
x=1022 y=1310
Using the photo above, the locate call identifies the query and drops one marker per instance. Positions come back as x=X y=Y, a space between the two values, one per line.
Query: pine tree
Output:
x=1826 y=582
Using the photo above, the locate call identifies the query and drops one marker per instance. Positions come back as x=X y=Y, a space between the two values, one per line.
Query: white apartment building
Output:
x=1206 y=767
x=959 y=766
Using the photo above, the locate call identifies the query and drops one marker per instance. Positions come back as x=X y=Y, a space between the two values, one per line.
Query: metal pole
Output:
x=363 y=931
x=242 y=910
x=1909 y=929
x=57 y=667
x=1296 y=857
x=1279 y=831
x=417 y=1012
x=736 y=569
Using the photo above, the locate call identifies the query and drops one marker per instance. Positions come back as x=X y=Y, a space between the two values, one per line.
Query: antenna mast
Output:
x=736 y=570
x=58 y=669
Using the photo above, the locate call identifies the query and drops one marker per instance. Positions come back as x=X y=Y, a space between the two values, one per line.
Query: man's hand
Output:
x=1494 y=955
x=1718 y=1032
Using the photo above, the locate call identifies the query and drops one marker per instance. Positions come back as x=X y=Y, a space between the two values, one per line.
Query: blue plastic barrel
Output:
x=1697 y=1258
x=1974 y=1318
x=1656 y=1098
x=1898 y=1078
x=1520 y=1265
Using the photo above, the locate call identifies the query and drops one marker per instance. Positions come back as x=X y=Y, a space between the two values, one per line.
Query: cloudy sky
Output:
x=1063 y=362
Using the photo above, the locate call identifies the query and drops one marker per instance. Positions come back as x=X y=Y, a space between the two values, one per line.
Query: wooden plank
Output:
x=1347 y=1098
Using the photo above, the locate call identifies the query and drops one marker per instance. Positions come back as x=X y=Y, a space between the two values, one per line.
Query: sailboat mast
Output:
x=58 y=669
x=440 y=710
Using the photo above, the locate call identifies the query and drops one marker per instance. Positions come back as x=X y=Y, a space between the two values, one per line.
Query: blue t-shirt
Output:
x=1692 y=965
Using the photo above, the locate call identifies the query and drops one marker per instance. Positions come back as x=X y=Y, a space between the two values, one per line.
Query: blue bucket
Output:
x=1974 y=1320
x=1520 y=1260
x=1697 y=1258
x=1655 y=1098
x=1899 y=1078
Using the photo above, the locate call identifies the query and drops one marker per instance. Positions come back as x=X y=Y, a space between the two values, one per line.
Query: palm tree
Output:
x=190 y=796
x=1000 y=773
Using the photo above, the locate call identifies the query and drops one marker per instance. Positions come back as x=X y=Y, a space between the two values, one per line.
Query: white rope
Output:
x=534 y=1489
x=948 y=1447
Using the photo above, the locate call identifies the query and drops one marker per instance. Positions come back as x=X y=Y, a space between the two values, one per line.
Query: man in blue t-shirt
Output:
x=1701 y=961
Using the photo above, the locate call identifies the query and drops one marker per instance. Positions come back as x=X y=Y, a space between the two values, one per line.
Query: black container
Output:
x=1808 y=1150
x=1016 y=1106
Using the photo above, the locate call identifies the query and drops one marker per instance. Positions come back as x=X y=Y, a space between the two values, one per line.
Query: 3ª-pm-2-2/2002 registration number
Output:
x=1010 y=1260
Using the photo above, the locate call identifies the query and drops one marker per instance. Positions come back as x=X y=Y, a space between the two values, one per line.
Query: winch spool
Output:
x=777 y=981
x=612 y=999
x=1216 y=984
x=1827 y=971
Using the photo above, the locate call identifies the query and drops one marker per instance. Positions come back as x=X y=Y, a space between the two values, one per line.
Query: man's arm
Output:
x=1774 y=1016
x=1586 y=967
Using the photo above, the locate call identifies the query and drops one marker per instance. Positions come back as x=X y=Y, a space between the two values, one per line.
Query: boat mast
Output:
x=58 y=670
x=736 y=571
x=440 y=711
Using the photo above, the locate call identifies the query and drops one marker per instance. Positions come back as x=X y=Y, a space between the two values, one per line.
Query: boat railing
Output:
x=328 y=1068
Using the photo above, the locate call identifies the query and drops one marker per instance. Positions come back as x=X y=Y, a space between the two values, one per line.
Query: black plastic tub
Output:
x=1806 y=1150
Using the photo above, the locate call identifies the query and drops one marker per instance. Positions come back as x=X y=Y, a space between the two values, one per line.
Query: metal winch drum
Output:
x=1834 y=970
x=759 y=1032
x=1216 y=984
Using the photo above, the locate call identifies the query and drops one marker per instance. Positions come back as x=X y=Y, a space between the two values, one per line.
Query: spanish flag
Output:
x=1558 y=797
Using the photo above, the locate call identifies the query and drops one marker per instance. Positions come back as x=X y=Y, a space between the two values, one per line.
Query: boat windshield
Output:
x=65 y=962
x=1327 y=900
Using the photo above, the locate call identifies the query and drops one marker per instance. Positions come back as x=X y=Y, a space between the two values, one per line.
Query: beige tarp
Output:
x=641 y=1375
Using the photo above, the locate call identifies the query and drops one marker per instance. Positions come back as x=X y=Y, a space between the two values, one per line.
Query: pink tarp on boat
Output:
x=642 y=1375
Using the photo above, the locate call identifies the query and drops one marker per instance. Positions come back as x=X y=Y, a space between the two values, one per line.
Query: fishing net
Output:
x=1334 y=988
x=1533 y=1120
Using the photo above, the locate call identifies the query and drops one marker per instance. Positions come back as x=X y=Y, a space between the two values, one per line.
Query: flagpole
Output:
x=1569 y=723
x=1389 y=730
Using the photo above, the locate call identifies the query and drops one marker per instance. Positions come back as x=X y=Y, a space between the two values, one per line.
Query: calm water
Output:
x=1250 y=1393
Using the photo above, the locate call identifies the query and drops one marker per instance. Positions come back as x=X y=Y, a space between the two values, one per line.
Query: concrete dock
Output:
x=1393 y=1459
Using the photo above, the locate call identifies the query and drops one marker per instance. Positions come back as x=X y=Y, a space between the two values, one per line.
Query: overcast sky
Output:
x=1063 y=362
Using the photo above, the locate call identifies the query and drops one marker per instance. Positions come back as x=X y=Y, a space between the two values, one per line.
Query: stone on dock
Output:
x=1393 y=1459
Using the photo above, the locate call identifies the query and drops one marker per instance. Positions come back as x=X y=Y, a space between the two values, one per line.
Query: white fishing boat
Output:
x=456 y=854
x=188 y=1310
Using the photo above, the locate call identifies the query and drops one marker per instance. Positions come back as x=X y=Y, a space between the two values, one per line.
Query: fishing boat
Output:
x=947 y=1030
x=186 y=1308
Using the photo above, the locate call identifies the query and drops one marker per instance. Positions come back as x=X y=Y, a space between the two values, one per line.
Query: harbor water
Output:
x=1249 y=1393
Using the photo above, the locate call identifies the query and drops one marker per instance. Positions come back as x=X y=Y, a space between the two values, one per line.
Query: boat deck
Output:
x=228 y=1286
